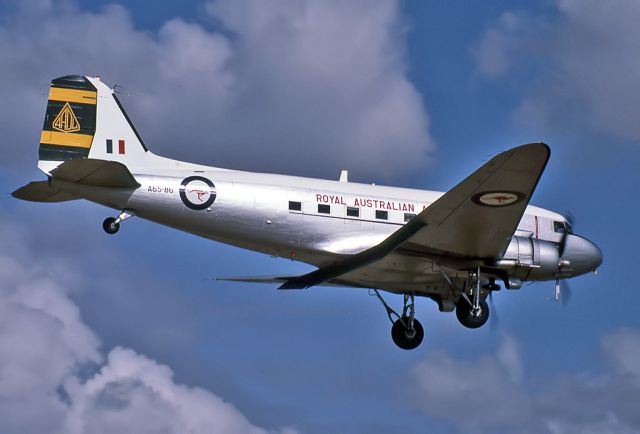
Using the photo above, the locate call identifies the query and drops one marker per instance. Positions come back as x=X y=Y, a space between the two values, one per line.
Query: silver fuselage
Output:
x=252 y=211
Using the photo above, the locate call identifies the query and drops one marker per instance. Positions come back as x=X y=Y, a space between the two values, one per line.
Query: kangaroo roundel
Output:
x=498 y=198
x=197 y=192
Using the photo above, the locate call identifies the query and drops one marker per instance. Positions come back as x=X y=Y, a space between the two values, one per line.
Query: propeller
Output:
x=562 y=290
x=494 y=322
x=568 y=216
x=492 y=287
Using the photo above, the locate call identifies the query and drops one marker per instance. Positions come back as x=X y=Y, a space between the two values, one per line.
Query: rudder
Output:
x=84 y=119
x=70 y=120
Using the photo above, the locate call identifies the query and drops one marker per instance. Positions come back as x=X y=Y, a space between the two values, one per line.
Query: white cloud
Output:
x=132 y=393
x=297 y=86
x=484 y=395
x=473 y=394
x=577 y=69
x=495 y=52
x=53 y=377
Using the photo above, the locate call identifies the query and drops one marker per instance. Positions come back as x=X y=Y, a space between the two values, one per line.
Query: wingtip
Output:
x=540 y=148
x=291 y=284
x=535 y=145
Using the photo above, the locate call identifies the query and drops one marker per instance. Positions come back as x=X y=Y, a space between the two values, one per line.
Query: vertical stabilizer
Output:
x=84 y=119
x=116 y=138
x=69 y=123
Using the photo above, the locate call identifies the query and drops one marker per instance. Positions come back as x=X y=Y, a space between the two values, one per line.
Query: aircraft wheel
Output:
x=467 y=318
x=110 y=225
x=405 y=338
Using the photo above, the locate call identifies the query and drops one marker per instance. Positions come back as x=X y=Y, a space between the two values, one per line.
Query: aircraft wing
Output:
x=273 y=279
x=473 y=221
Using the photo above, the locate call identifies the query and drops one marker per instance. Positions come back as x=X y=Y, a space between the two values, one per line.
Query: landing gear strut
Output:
x=111 y=225
x=406 y=332
x=473 y=312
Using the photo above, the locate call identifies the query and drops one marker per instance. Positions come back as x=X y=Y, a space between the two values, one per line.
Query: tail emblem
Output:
x=66 y=121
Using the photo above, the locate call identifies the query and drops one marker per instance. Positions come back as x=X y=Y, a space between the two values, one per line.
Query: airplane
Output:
x=452 y=247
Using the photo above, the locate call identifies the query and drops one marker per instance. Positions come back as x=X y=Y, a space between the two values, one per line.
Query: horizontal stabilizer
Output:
x=97 y=173
x=40 y=191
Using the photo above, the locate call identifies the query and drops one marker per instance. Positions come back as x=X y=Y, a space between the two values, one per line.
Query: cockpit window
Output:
x=562 y=227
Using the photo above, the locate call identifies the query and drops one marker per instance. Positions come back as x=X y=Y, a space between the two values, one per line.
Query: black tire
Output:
x=467 y=319
x=110 y=226
x=404 y=338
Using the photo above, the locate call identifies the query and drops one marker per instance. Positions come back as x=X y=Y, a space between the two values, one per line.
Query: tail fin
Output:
x=70 y=120
x=84 y=119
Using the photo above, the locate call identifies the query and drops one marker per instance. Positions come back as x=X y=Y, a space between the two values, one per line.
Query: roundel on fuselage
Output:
x=197 y=192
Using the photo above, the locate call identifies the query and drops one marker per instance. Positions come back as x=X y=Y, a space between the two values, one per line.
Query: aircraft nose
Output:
x=583 y=255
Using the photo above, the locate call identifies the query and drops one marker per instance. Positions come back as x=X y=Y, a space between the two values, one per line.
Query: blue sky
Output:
x=100 y=332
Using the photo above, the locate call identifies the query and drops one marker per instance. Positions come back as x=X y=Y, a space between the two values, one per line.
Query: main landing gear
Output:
x=406 y=332
x=111 y=225
x=472 y=309
x=471 y=317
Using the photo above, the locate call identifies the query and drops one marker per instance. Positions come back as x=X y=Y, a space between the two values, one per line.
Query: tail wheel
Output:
x=469 y=318
x=110 y=225
x=404 y=337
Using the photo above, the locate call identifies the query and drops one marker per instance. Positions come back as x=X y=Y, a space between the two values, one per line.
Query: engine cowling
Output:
x=530 y=259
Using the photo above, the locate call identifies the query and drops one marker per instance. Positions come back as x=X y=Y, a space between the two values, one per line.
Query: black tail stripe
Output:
x=61 y=153
x=73 y=82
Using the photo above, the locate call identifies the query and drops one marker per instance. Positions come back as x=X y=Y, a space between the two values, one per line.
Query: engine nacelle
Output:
x=530 y=258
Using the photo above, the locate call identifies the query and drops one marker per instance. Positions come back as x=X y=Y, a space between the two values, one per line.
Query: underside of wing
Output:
x=274 y=279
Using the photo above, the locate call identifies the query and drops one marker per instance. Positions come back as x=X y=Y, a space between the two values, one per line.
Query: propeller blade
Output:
x=493 y=316
x=569 y=217
x=562 y=292
x=563 y=241
x=565 y=292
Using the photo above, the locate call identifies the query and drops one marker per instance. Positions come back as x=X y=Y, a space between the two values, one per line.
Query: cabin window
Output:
x=295 y=206
x=408 y=216
x=353 y=211
x=324 y=209
x=382 y=215
x=562 y=227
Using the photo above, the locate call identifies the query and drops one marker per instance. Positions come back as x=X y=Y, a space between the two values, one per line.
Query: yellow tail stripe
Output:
x=73 y=95
x=66 y=139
